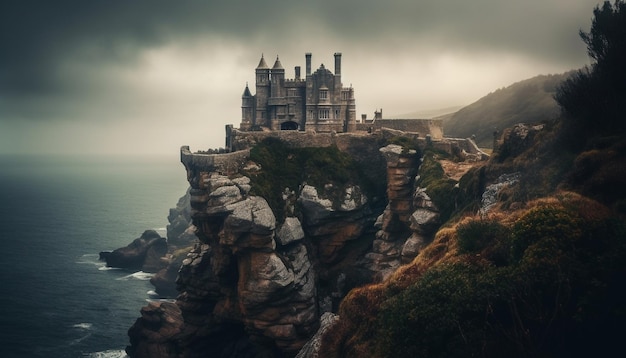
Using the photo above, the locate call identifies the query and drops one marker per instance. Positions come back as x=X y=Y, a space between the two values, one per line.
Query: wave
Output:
x=84 y=326
x=139 y=275
x=107 y=354
x=108 y=268
x=91 y=259
x=170 y=300
x=78 y=340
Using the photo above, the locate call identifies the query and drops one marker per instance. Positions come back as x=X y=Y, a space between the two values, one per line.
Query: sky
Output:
x=147 y=76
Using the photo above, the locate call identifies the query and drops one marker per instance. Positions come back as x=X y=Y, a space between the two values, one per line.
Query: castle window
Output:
x=336 y=113
x=291 y=92
x=324 y=114
x=345 y=95
x=323 y=95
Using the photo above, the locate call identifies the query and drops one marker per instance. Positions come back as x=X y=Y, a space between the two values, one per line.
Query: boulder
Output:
x=290 y=231
x=154 y=333
x=143 y=253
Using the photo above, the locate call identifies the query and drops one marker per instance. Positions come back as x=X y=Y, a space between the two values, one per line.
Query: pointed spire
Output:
x=246 y=92
x=262 y=65
x=277 y=64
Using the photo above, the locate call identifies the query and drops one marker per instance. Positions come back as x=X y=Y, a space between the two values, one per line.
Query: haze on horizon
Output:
x=115 y=77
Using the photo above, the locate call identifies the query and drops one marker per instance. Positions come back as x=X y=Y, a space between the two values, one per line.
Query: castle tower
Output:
x=247 y=109
x=277 y=79
x=262 y=92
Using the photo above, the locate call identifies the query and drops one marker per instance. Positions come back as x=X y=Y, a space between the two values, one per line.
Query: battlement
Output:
x=224 y=163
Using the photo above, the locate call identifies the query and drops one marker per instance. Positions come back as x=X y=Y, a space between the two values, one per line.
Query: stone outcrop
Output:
x=144 y=253
x=394 y=223
x=312 y=347
x=243 y=272
x=254 y=285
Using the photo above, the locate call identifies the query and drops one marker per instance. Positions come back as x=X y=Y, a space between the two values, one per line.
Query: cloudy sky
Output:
x=124 y=76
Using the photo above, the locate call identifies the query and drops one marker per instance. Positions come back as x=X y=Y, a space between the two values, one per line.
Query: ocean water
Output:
x=56 y=214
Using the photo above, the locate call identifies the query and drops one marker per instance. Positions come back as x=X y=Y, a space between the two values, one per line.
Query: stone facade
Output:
x=318 y=102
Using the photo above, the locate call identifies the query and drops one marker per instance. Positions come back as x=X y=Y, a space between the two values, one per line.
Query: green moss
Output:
x=285 y=167
x=489 y=238
x=441 y=189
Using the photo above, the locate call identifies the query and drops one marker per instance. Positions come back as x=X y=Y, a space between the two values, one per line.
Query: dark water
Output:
x=56 y=214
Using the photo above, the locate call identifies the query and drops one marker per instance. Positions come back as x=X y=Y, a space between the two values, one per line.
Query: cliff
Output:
x=284 y=232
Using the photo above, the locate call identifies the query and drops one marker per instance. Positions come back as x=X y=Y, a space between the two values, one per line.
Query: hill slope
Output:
x=527 y=101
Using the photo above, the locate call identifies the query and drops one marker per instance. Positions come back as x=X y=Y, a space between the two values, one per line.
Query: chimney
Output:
x=337 y=63
x=297 y=73
x=308 y=63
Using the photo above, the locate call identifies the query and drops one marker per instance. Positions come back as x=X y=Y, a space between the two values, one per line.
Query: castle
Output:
x=318 y=102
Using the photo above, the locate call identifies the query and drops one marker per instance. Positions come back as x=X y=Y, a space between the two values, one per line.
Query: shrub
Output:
x=488 y=237
x=545 y=222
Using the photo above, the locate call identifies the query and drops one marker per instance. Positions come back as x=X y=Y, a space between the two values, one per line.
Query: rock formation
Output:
x=254 y=285
x=144 y=253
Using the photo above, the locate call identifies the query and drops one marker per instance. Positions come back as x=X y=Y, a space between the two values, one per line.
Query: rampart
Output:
x=432 y=127
x=359 y=144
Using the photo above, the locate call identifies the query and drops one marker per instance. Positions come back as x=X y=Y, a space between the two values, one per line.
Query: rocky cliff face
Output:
x=255 y=285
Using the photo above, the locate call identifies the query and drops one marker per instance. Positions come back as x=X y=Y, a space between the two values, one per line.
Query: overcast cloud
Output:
x=148 y=76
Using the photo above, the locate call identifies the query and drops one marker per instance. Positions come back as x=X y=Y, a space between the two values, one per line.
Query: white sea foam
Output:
x=139 y=275
x=171 y=300
x=107 y=354
x=107 y=268
x=152 y=293
x=91 y=259
x=83 y=325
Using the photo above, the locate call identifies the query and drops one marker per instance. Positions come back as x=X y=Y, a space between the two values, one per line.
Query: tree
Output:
x=593 y=100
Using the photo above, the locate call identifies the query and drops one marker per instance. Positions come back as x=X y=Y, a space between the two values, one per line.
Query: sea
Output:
x=56 y=214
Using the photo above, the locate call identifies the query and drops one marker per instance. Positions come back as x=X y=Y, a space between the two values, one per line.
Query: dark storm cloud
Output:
x=39 y=37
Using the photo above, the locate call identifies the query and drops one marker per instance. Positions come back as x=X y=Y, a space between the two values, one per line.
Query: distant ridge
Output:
x=528 y=101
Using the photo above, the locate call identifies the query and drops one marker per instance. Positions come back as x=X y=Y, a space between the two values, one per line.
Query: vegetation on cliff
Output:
x=541 y=274
x=284 y=167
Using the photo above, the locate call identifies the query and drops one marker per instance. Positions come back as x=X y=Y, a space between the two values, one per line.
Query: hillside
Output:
x=428 y=113
x=528 y=101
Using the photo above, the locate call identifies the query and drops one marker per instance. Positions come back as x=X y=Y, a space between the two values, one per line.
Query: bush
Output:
x=486 y=237
x=541 y=223
x=563 y=296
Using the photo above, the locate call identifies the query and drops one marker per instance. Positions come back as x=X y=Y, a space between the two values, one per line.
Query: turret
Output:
x=262 y=92
x=262 y=73
x=278 y=78
x=247 y=108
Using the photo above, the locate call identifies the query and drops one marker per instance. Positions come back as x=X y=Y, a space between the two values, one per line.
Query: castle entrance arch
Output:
x=289 y=126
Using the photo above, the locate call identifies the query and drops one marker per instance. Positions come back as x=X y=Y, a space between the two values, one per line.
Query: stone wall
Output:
x=240 y=142
x=424 y=127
